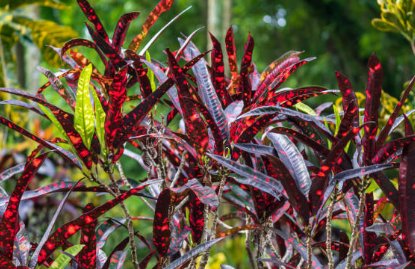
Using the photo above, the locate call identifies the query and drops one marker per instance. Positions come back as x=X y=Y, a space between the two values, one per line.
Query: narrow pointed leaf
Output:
x=84 y=113
x=293 y=161
x=162 y=6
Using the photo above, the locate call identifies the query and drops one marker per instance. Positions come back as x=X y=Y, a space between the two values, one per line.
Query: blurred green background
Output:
x=337 y=32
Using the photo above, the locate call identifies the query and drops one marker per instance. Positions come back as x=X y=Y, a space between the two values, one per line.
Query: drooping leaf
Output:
x=72 y=227
x=67 y=155
x=121 y=29
x=63 y=259
x=251 y=177
x=193 y=253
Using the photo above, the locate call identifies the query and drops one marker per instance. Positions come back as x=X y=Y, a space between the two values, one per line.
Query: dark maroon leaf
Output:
x=67 y=155
x=121 y=29
x=218 y=72
x=196 y=218
x=392 y=118
x=350 y=105
x=245 y=87
x=161 y=225
x=373 y=92
x=93 y=18
x=72 y=227
x=407 y=196
x=391 y=148
x=195 y=127
x=84 y=43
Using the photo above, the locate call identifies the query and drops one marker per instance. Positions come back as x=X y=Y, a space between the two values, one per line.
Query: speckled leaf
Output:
x=293 y=161
x=9 y=225
x=161 y=228
x=161 y=7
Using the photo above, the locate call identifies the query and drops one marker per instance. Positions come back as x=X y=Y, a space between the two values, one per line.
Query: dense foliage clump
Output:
x=234 y=156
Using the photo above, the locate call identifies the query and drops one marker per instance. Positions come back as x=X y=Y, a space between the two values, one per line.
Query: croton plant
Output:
x=237 y=155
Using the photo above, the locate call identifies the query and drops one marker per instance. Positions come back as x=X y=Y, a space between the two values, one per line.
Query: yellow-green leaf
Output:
x=305 y=108
x=150 y=74
x=99 y=122
x=84 y=112
x=63 y=259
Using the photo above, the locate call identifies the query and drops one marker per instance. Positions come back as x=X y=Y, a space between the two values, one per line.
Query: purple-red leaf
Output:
x=161 y=225
x=373 y=92
x=93 y=18
x=407 y=197
x=121 y=29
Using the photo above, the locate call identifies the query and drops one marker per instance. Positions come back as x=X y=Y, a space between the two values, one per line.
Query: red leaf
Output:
x=245 y=87
x=392 y=118
x=233 y=62
x=87 y=258
x=196 y=218
x=161 y=229
x=121 y=29
x=93 y=18
x=84 y=43
x=407 y=197
x=162 y=6
x=373 y=92
x=351 y=118
x=195 y=127
x=274 y=70
x=69 y=229
x=65 y=119
x=9 y=225
x=218 y=72
x=65 y=154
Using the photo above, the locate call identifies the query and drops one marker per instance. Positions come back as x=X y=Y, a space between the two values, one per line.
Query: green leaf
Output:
x=99 y=122
x=54 y=121
x=84 y=112
x=384 y=26
x=338 y=120
x=44 y=33
x=305 y=108
x=150 y=73
x=63 y=259
x=18 y=3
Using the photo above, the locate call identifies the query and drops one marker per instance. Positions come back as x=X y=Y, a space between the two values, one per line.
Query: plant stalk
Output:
x=355 y=231
x=328 y=229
